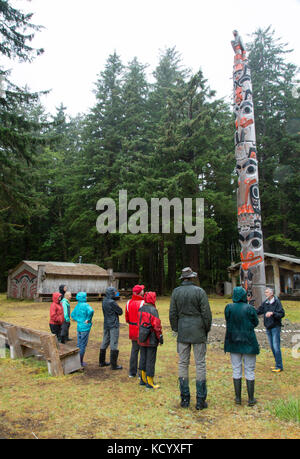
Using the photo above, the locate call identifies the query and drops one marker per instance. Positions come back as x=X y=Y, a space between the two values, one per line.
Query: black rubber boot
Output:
x=184 y=392
x=250 y=390
x=113 y=360
x=201 y=394
x=102 y=362
x=238 y=390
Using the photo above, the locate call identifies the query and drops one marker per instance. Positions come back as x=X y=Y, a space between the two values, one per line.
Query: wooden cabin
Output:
x=282 y=274
x=39 y=279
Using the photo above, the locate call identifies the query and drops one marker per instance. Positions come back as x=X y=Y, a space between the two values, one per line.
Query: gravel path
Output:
x=288 y=331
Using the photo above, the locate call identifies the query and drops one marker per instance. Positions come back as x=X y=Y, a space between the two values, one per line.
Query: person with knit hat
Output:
x=131 y=312
x=149 y=336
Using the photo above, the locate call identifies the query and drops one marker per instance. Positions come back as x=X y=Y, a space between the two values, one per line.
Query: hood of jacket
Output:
x=239 y=295
x=150 y=297
x=110 y=292
x=81 y=297
x=56 y=296
x=137 y=297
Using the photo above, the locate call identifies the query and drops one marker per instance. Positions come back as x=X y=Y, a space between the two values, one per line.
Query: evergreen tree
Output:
x=19 y=135
x=276 y=109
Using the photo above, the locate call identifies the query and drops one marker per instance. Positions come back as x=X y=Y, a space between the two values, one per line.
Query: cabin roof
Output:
x=64 y=268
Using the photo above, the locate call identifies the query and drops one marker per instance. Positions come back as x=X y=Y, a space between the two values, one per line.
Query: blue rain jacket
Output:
x=82 y=312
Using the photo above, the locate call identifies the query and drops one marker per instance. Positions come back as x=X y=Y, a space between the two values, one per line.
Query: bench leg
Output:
x=16 y=351
x=52 y=355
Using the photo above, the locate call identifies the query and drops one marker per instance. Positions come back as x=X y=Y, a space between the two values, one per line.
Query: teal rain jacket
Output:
x=241 y=319
x=82 y=312
x=67 y=309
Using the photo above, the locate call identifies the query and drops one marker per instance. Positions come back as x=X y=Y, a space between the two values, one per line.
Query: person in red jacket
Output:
x=150 y=335
x=56 y=315
x=131 y=312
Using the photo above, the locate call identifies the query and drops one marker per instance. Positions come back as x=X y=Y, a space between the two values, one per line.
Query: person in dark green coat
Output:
x=190 y=317
x=241 y=342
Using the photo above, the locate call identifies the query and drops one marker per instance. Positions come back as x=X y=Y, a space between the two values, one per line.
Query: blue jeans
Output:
x=82 y=340
x=274 y=340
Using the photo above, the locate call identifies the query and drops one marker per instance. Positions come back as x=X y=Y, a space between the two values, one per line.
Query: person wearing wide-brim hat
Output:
x=190 y=317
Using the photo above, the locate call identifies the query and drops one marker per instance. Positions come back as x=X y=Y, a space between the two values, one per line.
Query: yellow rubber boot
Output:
x=143 y=379
x=150 y=383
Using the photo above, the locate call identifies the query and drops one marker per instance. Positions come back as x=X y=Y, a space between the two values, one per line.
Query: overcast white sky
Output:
x=79 y=36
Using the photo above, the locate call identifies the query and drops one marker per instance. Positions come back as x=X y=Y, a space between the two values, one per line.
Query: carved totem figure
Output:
x=252 y=271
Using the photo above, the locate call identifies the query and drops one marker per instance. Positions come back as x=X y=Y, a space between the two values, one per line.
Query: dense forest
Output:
x=168 y=138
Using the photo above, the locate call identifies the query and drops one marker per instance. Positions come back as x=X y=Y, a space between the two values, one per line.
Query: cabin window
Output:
x=297 y=281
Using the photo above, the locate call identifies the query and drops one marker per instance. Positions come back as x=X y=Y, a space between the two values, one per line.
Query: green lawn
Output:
x=101 y=403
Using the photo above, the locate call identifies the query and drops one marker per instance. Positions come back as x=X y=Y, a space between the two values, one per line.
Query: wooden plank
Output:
x=71 y=362
x=4 y=326
x=45 y=348
x=16 y=351
x=31 y=345
x=67 y=349
x=51 y=351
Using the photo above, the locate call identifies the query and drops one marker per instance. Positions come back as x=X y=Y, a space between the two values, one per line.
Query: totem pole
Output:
x=252 y=271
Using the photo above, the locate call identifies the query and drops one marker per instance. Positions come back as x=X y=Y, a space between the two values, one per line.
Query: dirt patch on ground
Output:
x=289 y=329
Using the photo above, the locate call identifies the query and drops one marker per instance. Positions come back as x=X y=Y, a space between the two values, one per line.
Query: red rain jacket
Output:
x=131 y=315
x=56 y=310
x=148 y=314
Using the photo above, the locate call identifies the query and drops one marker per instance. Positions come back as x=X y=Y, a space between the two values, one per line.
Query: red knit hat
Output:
x=138 y=288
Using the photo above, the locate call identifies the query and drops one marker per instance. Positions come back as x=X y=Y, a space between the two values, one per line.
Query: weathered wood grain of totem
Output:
x=252 y=270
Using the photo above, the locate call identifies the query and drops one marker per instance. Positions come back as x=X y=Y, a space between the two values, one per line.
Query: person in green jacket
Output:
x=240 y=340
x=65 y=302
x=82 y=314
x=190 y=317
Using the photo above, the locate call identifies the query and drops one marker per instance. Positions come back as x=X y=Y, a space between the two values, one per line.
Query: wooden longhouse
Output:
x=39 y=279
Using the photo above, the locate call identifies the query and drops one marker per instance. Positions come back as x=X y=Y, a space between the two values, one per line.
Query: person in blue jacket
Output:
x=82 y=314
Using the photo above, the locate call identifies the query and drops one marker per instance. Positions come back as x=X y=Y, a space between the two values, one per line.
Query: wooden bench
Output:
x=25 y=342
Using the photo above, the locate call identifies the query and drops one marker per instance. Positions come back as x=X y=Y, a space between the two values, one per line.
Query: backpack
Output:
x=145 y=326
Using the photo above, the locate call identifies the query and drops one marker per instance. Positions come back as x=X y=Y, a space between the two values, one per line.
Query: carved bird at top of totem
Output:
x=237 y=41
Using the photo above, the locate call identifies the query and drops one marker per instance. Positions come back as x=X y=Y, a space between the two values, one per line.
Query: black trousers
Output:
x=56 y=330
x=147 y=360
x=133 y=363
x=65 y=331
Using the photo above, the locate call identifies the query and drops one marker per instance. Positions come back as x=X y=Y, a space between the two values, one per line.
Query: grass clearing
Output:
x=100 y=403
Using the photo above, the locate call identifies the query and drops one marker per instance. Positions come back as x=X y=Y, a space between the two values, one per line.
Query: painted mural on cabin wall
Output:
x=252 y=273
x=23 y=285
